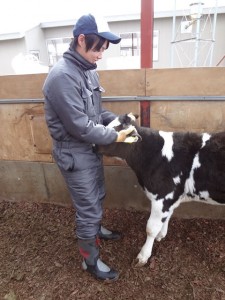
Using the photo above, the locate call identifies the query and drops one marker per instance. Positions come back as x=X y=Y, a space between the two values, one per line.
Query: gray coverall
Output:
x=76 y=121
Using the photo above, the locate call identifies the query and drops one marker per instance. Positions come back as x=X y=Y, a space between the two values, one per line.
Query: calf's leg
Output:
x=153 y=228
x=157 y=226
x=164 y=229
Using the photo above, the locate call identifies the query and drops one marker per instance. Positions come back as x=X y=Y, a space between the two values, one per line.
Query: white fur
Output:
x=176 y=180
x=132 y=116
x=205 y=138
x=168 y=144
x=114 y=123
x=190 y=183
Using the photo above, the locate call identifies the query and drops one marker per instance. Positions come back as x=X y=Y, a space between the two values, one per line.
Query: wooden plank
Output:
x=185 y=82
x=123 y=107
x=115 y=82
x=123 y=82
x=42 y=141
x=27 y=138
x=16 y=135
x=198 y=116
x=22 y=86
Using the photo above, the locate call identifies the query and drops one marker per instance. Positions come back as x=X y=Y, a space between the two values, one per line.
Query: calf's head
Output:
x=123 y=122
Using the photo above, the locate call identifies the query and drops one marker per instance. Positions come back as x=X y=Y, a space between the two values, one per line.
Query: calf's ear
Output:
x=133 y=116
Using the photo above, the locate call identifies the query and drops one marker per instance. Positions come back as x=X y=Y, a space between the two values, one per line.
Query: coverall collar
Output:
x=75 y=57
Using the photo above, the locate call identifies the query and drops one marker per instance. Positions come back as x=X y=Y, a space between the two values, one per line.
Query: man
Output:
x=76 y=121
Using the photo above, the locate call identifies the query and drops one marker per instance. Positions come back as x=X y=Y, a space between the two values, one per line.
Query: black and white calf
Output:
x=171 y=167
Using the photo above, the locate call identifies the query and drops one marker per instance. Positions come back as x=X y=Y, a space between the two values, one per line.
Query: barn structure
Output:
x=171 y=99
x=28 y=171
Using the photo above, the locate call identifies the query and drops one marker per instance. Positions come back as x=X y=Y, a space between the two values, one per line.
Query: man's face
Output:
x=92 y=55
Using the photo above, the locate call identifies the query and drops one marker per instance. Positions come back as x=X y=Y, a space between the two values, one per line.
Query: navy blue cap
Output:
x=87 y=24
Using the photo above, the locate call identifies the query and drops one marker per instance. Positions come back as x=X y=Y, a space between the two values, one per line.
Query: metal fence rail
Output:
x=128 y=98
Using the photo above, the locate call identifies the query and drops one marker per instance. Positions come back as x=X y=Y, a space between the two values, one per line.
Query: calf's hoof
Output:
x=137 y=263
x=160 y=236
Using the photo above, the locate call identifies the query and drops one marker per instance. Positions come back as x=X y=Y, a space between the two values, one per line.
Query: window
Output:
x=131 y=44
x=56 y=48
x=36 y=54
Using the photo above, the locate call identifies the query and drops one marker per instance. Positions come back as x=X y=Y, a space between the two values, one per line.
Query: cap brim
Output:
x=112 y=38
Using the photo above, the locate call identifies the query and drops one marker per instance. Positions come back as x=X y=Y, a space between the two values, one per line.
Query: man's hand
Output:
x=122 y=134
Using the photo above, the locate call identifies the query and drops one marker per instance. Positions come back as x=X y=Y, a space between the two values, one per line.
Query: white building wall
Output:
x=9 y=51
x=35 y=43
x=35 y=40
x=164 y=27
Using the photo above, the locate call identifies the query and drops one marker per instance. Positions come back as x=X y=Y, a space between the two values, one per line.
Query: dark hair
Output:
x=90 y=40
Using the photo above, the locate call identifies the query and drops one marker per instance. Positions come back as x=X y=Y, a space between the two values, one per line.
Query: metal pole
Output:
x=147 y=15
x=197 y=36
x=147 y=18
x=213 y=33
x=197 y=43
x=173 y=36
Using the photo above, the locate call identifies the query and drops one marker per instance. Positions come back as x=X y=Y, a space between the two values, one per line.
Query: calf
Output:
x=171 y=167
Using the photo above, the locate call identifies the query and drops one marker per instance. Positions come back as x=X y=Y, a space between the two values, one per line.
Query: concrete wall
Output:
x=28 y=172
x=40 y=182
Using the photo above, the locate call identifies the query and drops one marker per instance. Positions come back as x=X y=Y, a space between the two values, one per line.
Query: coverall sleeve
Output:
x=65 y=95
x=107 y=116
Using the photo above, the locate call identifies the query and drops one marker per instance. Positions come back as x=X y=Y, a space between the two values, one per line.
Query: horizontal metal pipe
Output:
x=20 y=101
x=164 y=98
x=128 y=98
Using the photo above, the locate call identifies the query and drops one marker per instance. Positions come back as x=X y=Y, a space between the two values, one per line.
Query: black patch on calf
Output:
x=210 y=176
x=190 y=195
x=125 y=121
x=167 y=203
x=163 y=219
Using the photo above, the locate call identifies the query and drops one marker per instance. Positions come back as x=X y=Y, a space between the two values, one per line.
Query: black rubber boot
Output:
x=105 y=234
x=89 y=249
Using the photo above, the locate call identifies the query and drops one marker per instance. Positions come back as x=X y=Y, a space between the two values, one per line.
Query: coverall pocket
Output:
x=87 y=96
x=64 y=158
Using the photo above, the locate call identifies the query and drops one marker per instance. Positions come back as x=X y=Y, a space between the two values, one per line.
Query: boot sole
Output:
x=107 y=280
